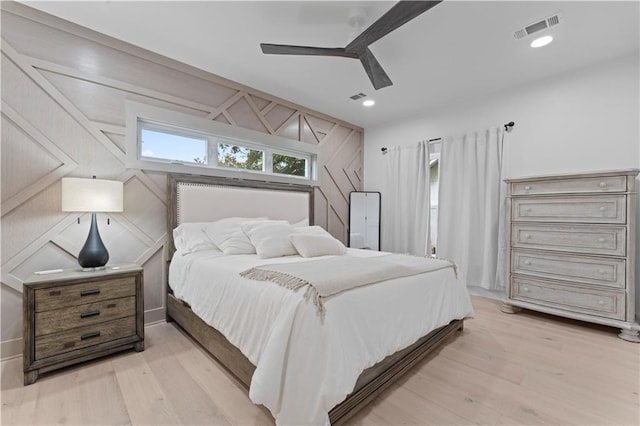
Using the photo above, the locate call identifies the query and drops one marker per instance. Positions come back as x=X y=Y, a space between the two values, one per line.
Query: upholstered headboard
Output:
x=205 y=199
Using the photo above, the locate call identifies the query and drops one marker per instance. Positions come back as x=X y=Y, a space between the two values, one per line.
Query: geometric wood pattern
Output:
x=63 y=112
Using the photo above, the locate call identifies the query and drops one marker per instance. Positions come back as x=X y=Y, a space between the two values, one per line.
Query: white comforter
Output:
x=303 y=367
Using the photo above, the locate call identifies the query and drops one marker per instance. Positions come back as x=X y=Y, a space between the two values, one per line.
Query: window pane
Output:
x=239 y=157
x=167 y=146
x=289 y=165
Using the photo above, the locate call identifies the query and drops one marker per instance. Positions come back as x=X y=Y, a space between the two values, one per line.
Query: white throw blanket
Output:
x=329 y=276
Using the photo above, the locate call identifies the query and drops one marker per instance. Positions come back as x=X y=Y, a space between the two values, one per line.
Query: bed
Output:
x=304 y=367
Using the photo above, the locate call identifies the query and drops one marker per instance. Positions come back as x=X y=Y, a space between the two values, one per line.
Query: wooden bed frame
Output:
x=370 y=383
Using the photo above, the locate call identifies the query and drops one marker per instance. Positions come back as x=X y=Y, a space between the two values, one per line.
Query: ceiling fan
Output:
x=401 y=13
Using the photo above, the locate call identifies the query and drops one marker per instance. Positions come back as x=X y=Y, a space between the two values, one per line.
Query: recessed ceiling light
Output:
x=542 y=41
x=369 y=102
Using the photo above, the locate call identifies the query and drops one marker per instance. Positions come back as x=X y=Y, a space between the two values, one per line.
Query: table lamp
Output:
x=92 y=195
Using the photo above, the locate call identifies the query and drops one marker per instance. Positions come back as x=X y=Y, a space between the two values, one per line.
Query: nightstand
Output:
x=75 y=316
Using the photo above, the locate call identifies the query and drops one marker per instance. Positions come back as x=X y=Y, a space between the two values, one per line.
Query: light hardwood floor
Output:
x=527 y=368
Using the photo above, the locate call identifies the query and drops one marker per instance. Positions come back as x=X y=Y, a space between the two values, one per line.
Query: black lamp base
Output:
x=94 y=254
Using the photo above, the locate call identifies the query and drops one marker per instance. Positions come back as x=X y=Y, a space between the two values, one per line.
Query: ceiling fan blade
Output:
x=374 y=70
x=401 y=13
x=285 y=49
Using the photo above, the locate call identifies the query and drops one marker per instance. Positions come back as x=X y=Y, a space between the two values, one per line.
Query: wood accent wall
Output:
x=63 y=114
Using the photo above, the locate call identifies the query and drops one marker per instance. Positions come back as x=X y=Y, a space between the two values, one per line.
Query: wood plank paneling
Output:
x=63 y=108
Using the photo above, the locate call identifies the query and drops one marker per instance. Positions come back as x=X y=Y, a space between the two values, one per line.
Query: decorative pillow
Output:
x=270 y=238
x=190 y=238
x=312 y=245
x=227 y=234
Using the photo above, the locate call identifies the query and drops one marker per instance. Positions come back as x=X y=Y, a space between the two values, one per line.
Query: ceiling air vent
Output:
x=534 y=27
x=357 y=96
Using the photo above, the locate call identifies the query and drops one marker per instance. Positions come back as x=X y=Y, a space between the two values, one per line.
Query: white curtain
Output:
x=406 y=200
x=471 y=206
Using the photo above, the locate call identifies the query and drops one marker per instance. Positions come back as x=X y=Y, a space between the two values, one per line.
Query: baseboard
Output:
x=13 y=348
x=10 y=349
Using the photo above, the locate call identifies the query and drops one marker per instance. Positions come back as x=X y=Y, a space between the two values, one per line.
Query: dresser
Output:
x=573 y=247
x=75 y=316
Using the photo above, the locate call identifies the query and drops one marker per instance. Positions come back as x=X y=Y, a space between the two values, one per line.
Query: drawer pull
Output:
x=525 y=289
x=601 y=271
x=54 y=293
x=600 y=302
x=89 y=314
x=603 y=184
x=601 y=240
x=602 y=209
x=527 y=262
x=527 y=209
x=90 y=292
x=90 y=335
x=527 y=236
x=527 y=188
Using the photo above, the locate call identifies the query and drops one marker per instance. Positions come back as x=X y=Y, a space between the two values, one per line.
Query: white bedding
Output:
x=271 y=324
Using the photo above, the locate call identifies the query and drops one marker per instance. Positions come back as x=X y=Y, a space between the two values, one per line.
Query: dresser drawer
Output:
x=58 y=320
x=606 y=240
x=80 y=294
x=581 y=269
x=82 y=337
x=592 y=301
x=596 y=209
x=571 y=185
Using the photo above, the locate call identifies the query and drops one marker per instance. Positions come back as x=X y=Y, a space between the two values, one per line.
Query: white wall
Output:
x=586 y=120
x=580 y=121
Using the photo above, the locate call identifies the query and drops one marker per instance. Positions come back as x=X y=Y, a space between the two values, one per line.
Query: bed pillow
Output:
x=313 y=245
x=190 y=238
x=270 y=238
x=227 y=234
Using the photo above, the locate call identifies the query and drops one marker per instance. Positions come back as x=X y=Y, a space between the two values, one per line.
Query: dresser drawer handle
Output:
x=600 y=302
x=527 y=236
x=527 y=209
x=525 y=289
x=89 y=314
x=602 y=209
x=601 y=240
x=527 y=262
x=603 y=184
x=601 y=271
x=90 y=292
x=527 y=188
x=90 y=335
x=55 y=293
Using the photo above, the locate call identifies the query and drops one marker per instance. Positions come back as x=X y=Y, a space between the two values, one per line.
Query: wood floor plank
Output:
x=227 y=392
x=191 y=403
x=527 y=369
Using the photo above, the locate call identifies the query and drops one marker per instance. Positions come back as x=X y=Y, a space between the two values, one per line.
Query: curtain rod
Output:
x=507 y=127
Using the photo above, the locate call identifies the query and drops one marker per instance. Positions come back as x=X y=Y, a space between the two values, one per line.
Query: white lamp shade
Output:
x=91 y=195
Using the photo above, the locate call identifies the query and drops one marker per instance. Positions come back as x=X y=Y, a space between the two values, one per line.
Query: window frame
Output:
x=140 y=115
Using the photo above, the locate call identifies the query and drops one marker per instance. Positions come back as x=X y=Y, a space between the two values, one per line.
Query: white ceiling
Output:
x=454 y=51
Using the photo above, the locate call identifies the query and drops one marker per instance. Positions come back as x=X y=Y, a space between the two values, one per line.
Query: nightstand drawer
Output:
x=79 y=294
x=603 y=303
x=571 y=186
x=601 y=209
x=606 y=240
x=81 y=337
x=58 y=320
x=599 y=271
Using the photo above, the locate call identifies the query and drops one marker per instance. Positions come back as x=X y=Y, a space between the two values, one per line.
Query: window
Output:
x=165 y=140
x=163 y=145
x=290 y=165
x=240 y=157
